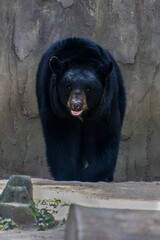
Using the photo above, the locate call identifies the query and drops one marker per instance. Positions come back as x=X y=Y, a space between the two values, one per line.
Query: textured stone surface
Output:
x=92 y=223
x=130 y=29
x=15 y=200
x=18 y=189
x=18 y=212
x=15 y=194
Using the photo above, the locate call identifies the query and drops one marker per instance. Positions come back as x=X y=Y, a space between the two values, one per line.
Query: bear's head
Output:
x=79 y=86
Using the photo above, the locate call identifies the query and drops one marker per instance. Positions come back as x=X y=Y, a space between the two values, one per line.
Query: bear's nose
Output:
x=76 y=104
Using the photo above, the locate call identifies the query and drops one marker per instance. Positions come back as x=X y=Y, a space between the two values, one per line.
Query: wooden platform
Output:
x=112 y=224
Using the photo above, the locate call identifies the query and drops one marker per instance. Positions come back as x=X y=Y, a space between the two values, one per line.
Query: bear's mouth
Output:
x=76 y=113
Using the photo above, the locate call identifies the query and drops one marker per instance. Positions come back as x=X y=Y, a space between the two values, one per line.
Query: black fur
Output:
x=94 y=137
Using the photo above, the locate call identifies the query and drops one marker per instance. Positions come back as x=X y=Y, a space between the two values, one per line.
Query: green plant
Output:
x=43 y=217
x=7 y=223
x=51 y=202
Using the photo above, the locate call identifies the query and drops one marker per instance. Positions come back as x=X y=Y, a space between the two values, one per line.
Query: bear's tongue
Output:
x=76 y=113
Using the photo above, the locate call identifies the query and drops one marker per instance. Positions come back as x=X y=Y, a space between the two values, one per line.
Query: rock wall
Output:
x=130 y=29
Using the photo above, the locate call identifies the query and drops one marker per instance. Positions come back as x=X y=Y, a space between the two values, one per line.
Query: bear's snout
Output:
x=76 y=104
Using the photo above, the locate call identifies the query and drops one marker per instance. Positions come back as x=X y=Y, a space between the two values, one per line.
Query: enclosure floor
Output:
x=128 y=195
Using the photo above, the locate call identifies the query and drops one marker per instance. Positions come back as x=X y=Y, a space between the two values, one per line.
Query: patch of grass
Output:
x=7 y=224
x=43 y=217
x=49 y=204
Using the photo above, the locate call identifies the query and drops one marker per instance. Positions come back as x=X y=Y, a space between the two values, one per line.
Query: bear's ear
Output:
x=55 y=64
x=105 y=70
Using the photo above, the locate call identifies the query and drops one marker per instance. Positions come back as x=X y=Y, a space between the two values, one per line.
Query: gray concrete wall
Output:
x=130 y=29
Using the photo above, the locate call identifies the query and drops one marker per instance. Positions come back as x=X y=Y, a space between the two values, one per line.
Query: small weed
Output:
x=7 y=223
x=65 y=204
x=43 y=217
x=50 y=202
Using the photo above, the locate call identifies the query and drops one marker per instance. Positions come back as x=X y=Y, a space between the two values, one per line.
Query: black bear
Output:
x=81 y=100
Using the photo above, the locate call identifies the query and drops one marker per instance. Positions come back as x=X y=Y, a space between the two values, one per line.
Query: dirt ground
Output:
x=29 y=233
x=128 y=195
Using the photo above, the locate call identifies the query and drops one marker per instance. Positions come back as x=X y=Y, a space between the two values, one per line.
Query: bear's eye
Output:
x=88 y=89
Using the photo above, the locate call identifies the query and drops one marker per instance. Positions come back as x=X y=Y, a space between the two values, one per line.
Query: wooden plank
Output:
x=86 y=223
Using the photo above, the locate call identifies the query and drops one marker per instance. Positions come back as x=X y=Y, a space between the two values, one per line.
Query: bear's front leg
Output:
x=101 y=152
x=62 y=148
x=101 y=166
